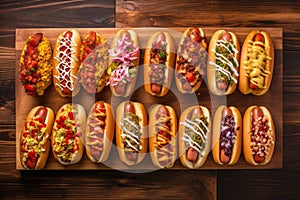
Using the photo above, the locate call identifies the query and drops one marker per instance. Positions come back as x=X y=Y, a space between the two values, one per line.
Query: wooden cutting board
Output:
x=273 y=99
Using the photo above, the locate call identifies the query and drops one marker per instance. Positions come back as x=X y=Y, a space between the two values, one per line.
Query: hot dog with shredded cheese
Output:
x=256 y=63
x=68 y=134
x=35 y=138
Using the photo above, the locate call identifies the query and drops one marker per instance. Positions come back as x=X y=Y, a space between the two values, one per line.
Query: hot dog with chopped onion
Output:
x=99 y=132
x=35 y=65
x=68 y=134
x=227 y=135
x=191 y=60
x=194 y=136
x=124 y=58
x=35 y=138
x=131 y=132
x=92 y=73
x=162 y=136
x=258 y=135
x=223 y=62
x=66 y=62
x=158 y=63
x=256 y=63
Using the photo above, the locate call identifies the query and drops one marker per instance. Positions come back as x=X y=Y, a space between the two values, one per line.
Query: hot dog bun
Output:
x=142 y=122
x=114 y=54
x=163 y=146
x=36 y=64
x=164 y=64
x=268 y=144
x=217 y=126
x=183 y=146
x=267 y=63
x=227 y=62
x=66 y=62
x=188 y=45
x=92 y=73
x=99 y=132
x=35 y=138
x=68 y=134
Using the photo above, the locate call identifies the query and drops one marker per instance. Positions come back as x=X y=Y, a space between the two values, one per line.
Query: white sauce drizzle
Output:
x=64 y=67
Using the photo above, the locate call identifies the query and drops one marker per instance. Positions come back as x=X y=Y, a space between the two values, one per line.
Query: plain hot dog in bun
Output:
x=227 y=135
x=256 y=63
x=158 y=63
x=194 y=136
x=99 y=132
x=124 y=58
x=162 y=136
x=223 y=62
x=191 y=60
x=68 y=134
x=131 y=132
x=35 y=138
x=66 y=62
x=258 y=135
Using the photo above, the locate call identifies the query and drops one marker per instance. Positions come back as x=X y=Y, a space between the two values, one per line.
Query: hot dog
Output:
x=35 y=64
x=194 y=136
x=191 y=60
x=66 y=61
x=163 y=139
x=131 y=133
x=35 y=138
x=124 y=58
x=99 y=132
x=223 y=62
x=258 y=135
x=159 y=61
x=68 y=134
x=256 y=64
x=227 y=135
x=92 y=73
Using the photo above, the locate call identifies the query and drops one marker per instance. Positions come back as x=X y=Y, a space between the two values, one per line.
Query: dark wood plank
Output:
x=285 y=14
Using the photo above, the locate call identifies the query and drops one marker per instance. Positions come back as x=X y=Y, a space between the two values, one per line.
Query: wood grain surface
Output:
x=179 y=102
x=176 y=184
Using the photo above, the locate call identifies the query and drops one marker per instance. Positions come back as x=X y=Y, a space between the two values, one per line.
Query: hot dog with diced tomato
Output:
x=35 y=64
x=68 y=134
x=256 y=63
x=66 y=62
x=162 y=136
x=99 y=132
x=131 y=132
x=158 y=63
x=191 y=60
x=35 y=138
x=92 y=73
x=258 y=135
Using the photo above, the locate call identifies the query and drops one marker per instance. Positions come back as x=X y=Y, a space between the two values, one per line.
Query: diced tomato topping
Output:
x=71 y=115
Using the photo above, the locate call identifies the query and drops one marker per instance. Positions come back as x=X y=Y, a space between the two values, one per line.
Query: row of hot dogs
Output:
x=93 y=65
x=191 y=137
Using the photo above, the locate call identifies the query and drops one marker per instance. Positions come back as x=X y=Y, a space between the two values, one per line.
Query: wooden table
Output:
x=176 y=184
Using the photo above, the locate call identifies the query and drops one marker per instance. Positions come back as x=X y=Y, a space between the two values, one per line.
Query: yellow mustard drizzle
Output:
x=255 y=66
